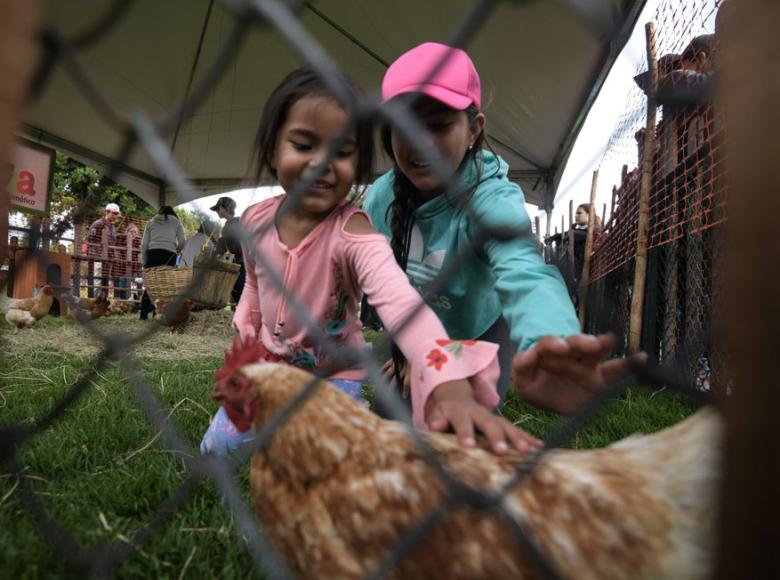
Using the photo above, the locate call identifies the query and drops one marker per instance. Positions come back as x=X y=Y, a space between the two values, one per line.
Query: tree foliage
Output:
x=76 y=187
x=191 y=220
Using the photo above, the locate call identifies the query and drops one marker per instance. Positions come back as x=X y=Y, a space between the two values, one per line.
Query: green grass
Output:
x=102 y=473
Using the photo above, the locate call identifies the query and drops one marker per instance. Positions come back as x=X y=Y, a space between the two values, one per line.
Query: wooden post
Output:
x=585 y=277
x=614 y=196
x=570 y=263
x=648 y=154
x=19 y=35
x=749 y=49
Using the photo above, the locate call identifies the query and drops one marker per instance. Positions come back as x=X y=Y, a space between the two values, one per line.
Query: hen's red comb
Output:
x=233 y=389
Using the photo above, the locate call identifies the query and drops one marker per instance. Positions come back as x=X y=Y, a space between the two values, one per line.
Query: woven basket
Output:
x=166 y=282
x=215 y=279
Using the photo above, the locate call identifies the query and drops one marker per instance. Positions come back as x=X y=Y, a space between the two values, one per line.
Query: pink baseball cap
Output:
x=456 y=83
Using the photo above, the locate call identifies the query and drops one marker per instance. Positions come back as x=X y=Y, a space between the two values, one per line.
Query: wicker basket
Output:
x=165 y=282
x=215 y=280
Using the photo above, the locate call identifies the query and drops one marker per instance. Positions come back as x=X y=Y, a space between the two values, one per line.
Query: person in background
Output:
x=200 y=243
x=131 y=254
x=163 y=238
x=101 y=243
x=230 y=242
x=580 y=231
x=8 y=266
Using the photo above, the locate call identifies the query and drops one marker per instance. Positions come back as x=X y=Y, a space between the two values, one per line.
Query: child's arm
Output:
x=453 y=382
x=558 y=367
x=248 y=318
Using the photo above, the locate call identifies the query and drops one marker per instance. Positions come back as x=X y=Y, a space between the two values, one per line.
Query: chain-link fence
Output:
x=686 y=201
x=697 y=210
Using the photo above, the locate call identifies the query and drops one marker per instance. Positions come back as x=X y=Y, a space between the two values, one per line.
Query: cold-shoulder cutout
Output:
x=359 y=224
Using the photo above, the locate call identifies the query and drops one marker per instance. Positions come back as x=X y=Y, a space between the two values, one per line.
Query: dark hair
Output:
x=596 y=219
x=166 y=210
x=401 y=209
x=297 y=85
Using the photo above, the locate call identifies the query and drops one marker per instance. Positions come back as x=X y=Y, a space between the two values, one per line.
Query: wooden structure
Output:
x=31 y=272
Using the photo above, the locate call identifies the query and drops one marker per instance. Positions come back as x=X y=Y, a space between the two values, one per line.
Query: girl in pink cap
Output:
x=498 y=288
x=327 y=254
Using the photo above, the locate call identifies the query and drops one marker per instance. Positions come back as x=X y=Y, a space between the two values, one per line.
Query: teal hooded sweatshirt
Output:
x=492 y=276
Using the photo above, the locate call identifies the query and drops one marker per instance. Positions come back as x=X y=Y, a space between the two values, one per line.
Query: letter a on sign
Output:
x=32 y=167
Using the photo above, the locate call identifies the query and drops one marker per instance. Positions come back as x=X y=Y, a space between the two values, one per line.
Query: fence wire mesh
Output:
x=686 y=204
x=697 y=209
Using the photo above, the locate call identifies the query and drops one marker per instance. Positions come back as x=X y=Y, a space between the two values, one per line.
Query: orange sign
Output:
x=32 y=169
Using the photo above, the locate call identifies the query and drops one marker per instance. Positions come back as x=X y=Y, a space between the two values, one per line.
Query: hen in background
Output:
x=91 y=308
x=174 y=319
x=26 y=312
x=119 y=307
x=337 y=488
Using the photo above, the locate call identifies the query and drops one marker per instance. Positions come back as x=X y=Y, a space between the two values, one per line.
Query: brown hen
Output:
x=26 y=312
x=337 y=487
x=91 y=308
x=173 y=318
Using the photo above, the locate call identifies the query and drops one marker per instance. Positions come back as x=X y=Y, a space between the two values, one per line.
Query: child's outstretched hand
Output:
x=560 y=374
x=454 y=405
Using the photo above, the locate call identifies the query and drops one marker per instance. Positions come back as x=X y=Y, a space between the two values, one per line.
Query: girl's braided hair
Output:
x=401 y=211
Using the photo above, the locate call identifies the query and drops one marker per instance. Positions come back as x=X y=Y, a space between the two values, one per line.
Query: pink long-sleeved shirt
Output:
x=327 y=273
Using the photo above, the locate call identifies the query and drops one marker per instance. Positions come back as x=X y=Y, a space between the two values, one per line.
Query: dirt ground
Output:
x=206 y=334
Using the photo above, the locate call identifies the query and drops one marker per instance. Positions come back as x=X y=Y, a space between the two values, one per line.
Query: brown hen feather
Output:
x=337 y=487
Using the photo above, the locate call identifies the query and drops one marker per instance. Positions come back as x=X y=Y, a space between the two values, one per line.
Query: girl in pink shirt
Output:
x=326 y=254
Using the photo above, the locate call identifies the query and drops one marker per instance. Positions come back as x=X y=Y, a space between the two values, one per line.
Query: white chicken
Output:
x=26 y=312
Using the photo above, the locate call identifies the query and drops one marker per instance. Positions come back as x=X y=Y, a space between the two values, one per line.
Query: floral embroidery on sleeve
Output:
x=454 y=346
x=436 y=358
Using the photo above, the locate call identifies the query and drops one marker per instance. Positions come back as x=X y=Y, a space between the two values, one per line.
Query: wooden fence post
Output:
x=648 y=155
x=570 y=261
x=585 y=276
x=750 y=505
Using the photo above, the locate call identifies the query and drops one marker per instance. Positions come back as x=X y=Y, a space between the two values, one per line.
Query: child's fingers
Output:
x=462 y=424
x=498 y=430
x=387 y=369
x=549 y=349
x=591 y=350
x=436 y=420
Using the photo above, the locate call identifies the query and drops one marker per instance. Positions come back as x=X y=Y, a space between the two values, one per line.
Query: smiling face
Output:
x=311 y=124
x=448 y=130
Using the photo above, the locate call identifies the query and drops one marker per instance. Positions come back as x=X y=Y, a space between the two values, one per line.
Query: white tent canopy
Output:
x=541 y=64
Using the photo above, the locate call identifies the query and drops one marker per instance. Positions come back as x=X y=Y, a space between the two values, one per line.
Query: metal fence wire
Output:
x=138 y=130
x=686 y=206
